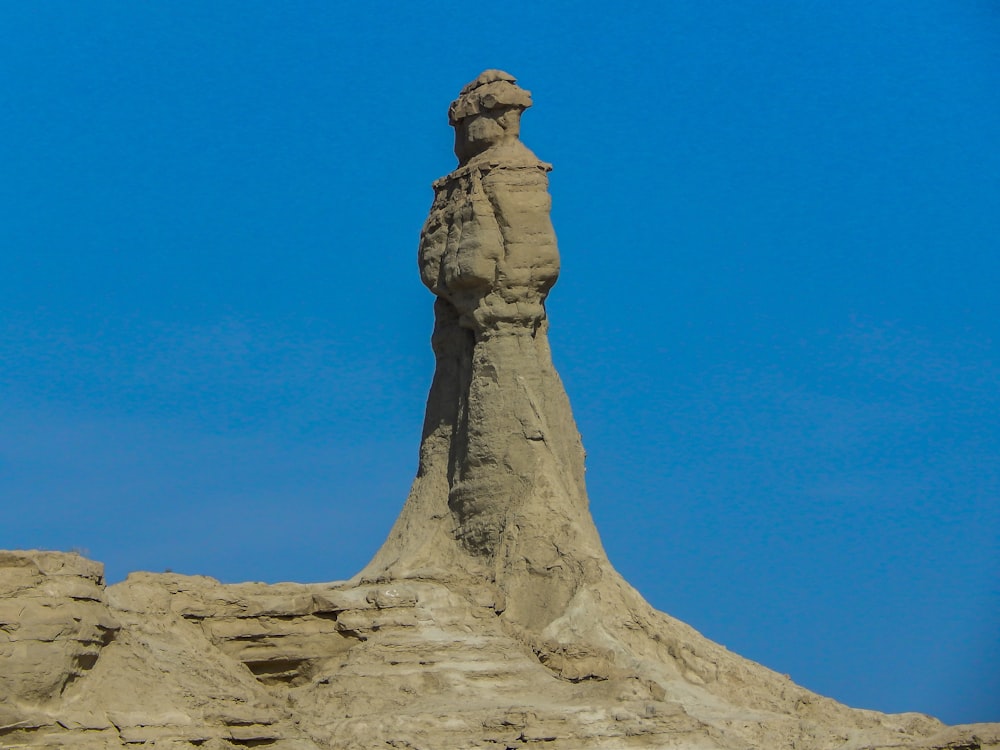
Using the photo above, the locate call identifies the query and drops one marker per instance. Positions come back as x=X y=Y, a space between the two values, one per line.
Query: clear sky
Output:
x=778 y=320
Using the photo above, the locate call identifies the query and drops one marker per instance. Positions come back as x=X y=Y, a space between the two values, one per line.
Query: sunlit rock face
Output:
x=488 y=246
x=54 y=623
x=500 y=487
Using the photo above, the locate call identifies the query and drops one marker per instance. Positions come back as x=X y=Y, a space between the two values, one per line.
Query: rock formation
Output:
x=500 y=492
x=490 y=617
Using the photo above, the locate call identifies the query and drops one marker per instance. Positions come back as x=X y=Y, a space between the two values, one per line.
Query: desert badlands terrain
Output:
x=491 y=616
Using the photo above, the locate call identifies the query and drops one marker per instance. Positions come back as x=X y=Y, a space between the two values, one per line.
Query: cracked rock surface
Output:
x=491 y=616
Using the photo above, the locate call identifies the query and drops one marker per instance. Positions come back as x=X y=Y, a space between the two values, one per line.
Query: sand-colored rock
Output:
x=499 y=493
x=54 y=622
x=490 y=617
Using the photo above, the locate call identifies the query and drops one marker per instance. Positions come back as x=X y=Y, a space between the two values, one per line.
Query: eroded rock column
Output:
x=54 y=622
x=500 y=490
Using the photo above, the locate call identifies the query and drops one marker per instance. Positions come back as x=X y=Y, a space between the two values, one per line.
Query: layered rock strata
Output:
x=490 y=618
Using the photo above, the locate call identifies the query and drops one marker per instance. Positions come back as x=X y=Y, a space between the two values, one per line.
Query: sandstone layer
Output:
x=491 y=617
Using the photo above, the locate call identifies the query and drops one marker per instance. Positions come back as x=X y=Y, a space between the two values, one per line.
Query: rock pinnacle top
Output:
x=487 y=114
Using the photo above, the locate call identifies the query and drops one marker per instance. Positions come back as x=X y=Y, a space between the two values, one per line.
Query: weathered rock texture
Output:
x=500 y=491
x=491 y=616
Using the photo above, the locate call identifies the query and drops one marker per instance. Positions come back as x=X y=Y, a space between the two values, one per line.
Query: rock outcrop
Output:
x=500 y=492
x=491 y=617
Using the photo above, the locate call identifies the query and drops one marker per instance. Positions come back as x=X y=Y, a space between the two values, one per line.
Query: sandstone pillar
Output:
x=500 y=490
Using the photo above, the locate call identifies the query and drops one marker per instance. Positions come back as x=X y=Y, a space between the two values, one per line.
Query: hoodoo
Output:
x=500 y=493
x=491 y=616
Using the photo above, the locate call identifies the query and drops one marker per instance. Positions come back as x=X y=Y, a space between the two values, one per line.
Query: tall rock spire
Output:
x=500 y=488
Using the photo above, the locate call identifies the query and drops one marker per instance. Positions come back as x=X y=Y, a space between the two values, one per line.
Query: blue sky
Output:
x=778 y=320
